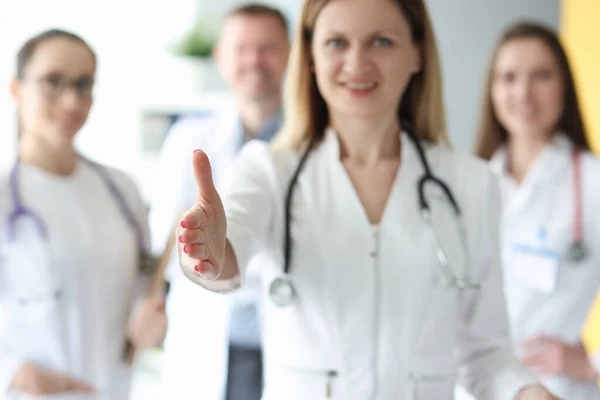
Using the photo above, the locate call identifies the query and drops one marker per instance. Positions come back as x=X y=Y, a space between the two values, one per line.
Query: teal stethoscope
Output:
x=281 y=289
x=20 y=211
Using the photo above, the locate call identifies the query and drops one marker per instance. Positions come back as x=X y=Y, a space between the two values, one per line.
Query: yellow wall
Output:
x=580 y=31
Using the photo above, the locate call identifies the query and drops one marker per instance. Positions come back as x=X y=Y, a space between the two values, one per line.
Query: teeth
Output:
x=360 y=86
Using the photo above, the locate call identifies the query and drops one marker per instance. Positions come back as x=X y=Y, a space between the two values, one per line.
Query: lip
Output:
x=360 y=88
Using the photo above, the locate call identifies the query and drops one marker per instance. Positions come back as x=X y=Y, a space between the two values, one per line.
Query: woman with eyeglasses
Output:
x=67 y=291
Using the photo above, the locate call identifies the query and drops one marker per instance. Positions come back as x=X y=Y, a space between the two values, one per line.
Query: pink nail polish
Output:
x=182 y=225
x=180 y=239
x=196 y=150
x=185 y=249
x=197 y=268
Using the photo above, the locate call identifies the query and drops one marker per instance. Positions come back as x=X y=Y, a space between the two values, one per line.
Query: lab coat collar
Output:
x=408 y=152
x=266 y=133
x=409 y=172
x=550 y=161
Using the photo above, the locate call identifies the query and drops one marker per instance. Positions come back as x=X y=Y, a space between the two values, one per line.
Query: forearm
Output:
x=588 y=371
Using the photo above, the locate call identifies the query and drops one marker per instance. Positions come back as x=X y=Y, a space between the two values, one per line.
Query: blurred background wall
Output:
x=141 y=85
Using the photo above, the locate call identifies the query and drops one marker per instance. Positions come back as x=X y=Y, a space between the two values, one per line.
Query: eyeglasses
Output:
x=54 y=86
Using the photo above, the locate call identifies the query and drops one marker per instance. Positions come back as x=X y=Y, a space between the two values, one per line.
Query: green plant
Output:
x=197 y=42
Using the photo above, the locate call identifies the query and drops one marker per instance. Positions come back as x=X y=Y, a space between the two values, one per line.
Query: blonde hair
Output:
x=305 y=110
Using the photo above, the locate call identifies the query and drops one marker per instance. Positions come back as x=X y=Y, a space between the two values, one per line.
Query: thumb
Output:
x=202 y=175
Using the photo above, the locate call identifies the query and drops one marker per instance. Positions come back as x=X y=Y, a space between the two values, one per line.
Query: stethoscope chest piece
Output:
x=281 y=292
x=577 y=252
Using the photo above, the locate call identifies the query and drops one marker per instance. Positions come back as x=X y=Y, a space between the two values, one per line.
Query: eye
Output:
x=507 y=77
x=382 y=42
x=335 y=43
x=53 y=80
x=84 y=86
x=542 y=74
x=268 y=48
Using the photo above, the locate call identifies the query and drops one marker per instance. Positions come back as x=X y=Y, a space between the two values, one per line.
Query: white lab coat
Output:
x=551 y=298
x=196 y=351
x=367 y=321
x=91 y=257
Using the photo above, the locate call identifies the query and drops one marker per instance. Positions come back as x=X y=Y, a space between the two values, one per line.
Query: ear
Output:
x=15 y=88
x=418 y=63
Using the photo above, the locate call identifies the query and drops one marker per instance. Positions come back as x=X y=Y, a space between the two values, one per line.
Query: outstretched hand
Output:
x=204 y=227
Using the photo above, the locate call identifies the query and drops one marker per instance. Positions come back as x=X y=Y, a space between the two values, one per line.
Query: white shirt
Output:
x=548 y=297
x=367 y=321
x=91 y=259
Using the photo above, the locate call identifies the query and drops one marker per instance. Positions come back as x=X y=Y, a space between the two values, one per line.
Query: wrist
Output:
x=22 y=376
x=590 y=373
x=522 y=394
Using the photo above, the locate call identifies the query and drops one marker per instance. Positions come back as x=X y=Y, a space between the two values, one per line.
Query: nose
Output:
x=252 y=57
x=525 y=89
x=356 y=59
x=70 y=99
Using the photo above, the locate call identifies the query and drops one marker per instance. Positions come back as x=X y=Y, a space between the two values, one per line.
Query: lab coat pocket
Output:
x=431 y=379
x=534 y=268
x=299 y=383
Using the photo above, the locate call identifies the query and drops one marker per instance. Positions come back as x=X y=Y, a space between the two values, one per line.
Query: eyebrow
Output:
x=62 y=74
x=381 y=32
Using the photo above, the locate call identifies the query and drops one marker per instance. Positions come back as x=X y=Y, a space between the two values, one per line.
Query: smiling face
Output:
x=54 y=95
x=363 y=57
x=252 y=55
x=527 y=89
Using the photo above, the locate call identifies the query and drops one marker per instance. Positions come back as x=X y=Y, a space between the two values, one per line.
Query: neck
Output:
x=59 y=160
x=522 y=153
x=366 y=141
x=255 y=114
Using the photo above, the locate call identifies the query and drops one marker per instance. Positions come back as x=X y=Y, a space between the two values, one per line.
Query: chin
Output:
x=364 y=110
x=66 y=133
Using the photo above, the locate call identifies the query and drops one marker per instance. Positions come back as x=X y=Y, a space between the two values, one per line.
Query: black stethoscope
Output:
x=281 y=289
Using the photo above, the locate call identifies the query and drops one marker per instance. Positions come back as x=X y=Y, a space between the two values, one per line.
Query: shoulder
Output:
x=590 y=172
x=469 y=176
x=460 y=166
x=591 y=162
x=5 y=191
x=280 y=162
x=123 y=182
x=259 y=164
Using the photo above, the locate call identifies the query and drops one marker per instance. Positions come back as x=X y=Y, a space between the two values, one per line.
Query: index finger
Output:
x=194 y=218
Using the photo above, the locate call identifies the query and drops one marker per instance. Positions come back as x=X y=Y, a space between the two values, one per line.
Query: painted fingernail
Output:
x=182 y=225
x=185 y=249
x=197 y=268
x=180 y=239
x=196 y=150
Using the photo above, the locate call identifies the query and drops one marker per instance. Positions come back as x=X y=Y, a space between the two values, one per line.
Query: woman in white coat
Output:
x=70 y=241
x=371 y=313
x=532 y=131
